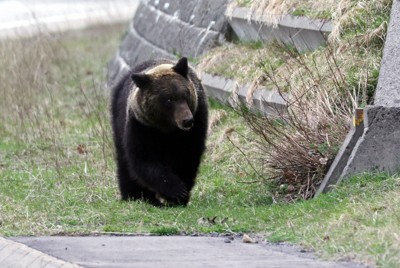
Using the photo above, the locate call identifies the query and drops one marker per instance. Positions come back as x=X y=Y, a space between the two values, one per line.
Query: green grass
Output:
x=57 y=173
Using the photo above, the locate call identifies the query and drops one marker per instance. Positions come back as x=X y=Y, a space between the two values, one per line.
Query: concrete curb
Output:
x=343 y=156
x=228 y=91
x=304 y=33
x=15 y=255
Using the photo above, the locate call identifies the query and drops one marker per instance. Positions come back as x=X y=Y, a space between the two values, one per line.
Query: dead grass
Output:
x=227 y=132
x=345 y=14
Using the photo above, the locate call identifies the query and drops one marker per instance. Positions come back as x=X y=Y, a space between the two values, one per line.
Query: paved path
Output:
x=28 y=17
x=152 y=252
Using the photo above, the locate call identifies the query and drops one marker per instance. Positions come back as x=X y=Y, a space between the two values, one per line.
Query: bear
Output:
x=159 y=118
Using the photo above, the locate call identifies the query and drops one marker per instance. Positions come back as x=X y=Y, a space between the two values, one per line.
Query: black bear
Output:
x=159 y=117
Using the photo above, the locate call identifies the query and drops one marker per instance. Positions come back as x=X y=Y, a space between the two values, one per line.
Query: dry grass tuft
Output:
x=297 y=145
x=271 y=11
x=368 y=18
x=215 y=119
x=241 y=61
x=325 y=88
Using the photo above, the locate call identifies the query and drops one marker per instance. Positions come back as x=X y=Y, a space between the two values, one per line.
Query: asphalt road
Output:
x=28 y=17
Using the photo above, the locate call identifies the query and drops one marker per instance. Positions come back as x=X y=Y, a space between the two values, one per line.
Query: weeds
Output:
x=324 y=90
x=298 y=144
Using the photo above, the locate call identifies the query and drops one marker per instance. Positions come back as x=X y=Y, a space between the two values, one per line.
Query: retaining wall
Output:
x=168 y=28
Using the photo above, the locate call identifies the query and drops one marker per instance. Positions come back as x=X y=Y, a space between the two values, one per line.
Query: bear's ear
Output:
x=141 y=80
x=182 y=67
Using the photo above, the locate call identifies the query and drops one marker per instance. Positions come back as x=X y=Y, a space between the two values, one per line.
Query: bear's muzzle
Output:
x=183 y=116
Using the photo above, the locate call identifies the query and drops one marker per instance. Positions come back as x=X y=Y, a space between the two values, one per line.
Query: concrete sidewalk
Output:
x=14 y=255
x=152 y=251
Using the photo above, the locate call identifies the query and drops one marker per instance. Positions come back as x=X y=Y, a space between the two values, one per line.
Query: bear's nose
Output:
x=188 y=123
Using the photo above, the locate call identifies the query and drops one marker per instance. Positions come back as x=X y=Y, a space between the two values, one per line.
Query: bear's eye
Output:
x=169 y=101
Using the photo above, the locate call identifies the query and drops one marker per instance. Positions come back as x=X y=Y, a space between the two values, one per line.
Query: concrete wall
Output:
x=167 y=28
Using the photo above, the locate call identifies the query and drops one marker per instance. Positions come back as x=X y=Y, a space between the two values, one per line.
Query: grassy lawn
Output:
x=57 y=168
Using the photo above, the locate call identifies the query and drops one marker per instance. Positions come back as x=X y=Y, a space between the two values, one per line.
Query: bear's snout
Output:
x=184 y=117
x=188 y=123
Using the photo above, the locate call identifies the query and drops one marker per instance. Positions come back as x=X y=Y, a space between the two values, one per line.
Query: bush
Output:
x=299 y=144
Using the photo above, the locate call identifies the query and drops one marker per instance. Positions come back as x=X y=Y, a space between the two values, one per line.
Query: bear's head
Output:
x=164 y=97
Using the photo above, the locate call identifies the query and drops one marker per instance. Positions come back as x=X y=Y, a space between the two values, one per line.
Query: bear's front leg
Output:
x=167 y=186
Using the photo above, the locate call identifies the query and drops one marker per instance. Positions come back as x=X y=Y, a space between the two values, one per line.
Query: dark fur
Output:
x=163 y=160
